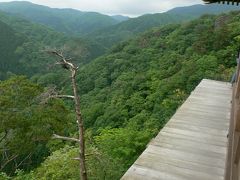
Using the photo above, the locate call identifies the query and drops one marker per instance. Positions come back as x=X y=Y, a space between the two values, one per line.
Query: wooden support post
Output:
x=229 y=163
x=232 y=166
x=235 y=163
x=238 y=69
x=237 y=89
x=237 y=116
x=237 y=151
x=237 y=101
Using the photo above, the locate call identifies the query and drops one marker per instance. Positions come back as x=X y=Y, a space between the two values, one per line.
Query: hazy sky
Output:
x=112 y=7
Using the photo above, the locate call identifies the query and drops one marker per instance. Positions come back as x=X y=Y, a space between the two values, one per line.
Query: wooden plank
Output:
x=217 y=98
x=213 y=83
x=213 y=86
x=200 y=139
x=193 y=144
x=212 y=125
x=198 y=129
x=196 y=109
x=211 y=131
x=220 y=122
x=195 y=99
x=151 y=160
x=137 y=172
x=189 y=144
x=185 y=173
x=187 y=149
x=186 y=156
x=212 y=92
x=202 y=115
x=218 y=107
x=196 y=135
x=223 y=87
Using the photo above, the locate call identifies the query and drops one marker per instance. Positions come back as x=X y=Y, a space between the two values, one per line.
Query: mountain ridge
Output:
x=29 y=55
x=122 y=31
x=70 y=21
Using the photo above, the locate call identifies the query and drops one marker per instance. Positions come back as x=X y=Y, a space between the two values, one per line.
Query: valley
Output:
x=133 y=74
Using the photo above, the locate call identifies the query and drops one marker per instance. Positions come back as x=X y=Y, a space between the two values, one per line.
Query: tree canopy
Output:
x=127 y=96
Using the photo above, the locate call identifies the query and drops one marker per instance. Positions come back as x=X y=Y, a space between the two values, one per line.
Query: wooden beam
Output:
x=237 y=152
x=230 y=150
x=237 y=149
x=237 y=116
x=237 y=86
x=233 y=2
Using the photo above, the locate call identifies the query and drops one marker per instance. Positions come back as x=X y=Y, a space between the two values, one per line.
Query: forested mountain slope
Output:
x=134 y=26
x=198 y=10
x=130 y=93
x=127 y=96
x=69 y=21
x=9 y=43
x=141 y=83
x=23 y=44
x=139 y=75
x=100 y=32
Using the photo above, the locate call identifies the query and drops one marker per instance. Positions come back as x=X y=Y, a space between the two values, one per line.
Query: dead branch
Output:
x=28 y=156
x=55 y=136
x=62 y=96
x=8 y=161
x=51 y=93
x=66 y=64
x=4 y=136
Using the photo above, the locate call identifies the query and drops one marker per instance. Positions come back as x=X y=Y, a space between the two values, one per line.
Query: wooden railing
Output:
x=233 y=167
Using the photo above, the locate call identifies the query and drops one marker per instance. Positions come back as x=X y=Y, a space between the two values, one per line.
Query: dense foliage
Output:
x=127 y=96
x=128 y=29
x=7 y=53
x=130 y=93
x=147 y=78
x=23 y=43
x=23 y=46
x=102 y=31
x=27 y=124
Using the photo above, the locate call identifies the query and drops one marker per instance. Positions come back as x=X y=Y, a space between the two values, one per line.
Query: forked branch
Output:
x=55 y=136
x=62 y=96
x=66 y=64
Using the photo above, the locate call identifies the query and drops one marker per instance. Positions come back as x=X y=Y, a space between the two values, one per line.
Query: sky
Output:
x=131 y=8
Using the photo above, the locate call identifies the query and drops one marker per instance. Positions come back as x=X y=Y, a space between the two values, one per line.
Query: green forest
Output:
x=129 y=86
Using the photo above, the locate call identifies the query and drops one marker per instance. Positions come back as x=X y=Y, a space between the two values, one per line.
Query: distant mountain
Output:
x=120 y=18
x=69 y=21
x=198 y=10
x=122 y=31
x=127 y=29
x=96 y=32
x=9 y=43
x=23 y=43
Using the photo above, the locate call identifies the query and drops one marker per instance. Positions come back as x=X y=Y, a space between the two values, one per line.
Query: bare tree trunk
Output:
x=66 y=64
x=83 y=171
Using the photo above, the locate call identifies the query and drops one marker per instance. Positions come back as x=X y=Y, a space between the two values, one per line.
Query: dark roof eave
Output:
x=234 y=2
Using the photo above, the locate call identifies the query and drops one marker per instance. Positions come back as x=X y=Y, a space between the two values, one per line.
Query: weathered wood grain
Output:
x=193 y=144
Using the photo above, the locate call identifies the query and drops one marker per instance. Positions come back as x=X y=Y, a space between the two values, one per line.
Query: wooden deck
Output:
x=193 y=144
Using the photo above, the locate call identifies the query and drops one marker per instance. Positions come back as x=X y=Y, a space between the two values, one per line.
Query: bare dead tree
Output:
x=4 y=136
x=66 y=64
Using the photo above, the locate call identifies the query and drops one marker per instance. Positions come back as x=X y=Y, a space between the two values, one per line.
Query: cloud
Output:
x=124 y=7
